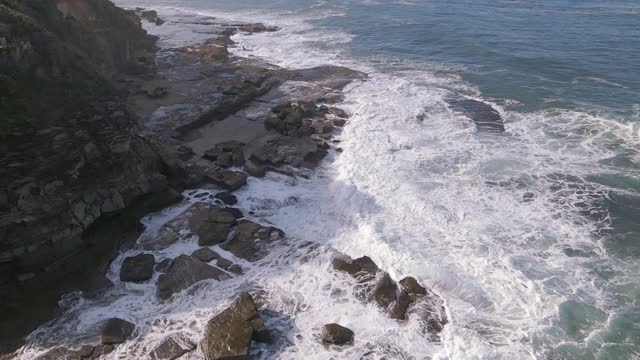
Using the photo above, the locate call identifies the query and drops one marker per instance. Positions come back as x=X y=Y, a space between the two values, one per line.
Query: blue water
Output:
x=532 y=237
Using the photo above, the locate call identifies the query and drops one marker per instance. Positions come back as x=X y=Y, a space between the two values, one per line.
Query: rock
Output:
x=339 y=122
x=236 y=213
x=285 y=150
x=137 y=268
x=205 y=255
x=184 y=152
x=256 y=28
x=227 y=179
x=384 y=293
x=337 y=335
x=226 y=154
x=251 y=241
x=151 y=16
x=116 y=331
x=156 y=92
x=358 y=267
x=236 y=269
x=227 y=197
x=400 y=305
x=184 y=272
x=228 y=335
x=254 y=169
x=483 y=115
x=172 y=347
x=338 y=112
x=163 y=265
x=412 y=286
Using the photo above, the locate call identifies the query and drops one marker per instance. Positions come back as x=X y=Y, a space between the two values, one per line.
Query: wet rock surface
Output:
x=228 y=335
x=337 y=335
x=252 y=241
x=173 y=347
x=116 y=331
x=137 y=268
x=184 y=272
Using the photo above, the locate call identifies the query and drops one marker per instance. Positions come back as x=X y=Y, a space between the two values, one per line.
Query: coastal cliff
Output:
x=76 y=169
x=104 y=128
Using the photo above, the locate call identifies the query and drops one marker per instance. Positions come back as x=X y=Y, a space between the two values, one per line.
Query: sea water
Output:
x=532 y=236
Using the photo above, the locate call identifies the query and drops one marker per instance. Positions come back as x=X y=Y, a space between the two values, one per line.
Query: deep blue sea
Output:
x=531 y=236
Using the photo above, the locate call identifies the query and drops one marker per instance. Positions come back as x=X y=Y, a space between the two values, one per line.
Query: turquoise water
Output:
x=532 y=237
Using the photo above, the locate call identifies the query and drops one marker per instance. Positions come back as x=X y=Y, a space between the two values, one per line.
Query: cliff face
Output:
x=76 y=169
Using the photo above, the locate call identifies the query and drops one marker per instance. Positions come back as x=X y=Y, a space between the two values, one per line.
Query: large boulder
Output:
x=116 y=331
x=137 y=268
x=228 y=335
x=172 y=347
x=227 y=197
x=251 y=241
x=337 y=335
x=184 y=272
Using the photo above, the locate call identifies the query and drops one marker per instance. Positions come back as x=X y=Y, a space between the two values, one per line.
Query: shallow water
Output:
x=530 y=236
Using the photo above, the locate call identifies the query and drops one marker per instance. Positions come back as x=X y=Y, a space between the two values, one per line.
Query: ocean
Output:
x=531 y=236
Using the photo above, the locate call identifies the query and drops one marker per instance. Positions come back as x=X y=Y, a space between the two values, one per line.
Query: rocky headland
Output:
x=101 y=128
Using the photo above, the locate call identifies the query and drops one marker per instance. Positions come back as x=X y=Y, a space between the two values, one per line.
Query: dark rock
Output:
x=151 y=16
x=400 y=305
x=338 y=112
x=227 y=179
x=285 y=150
x=137 y=268
x=360 y=266
x=116 y=331
x=339 y=122
x=226 y=154
x=227 y=197
x=411 y=285
x=184 y=272
x=228 y=335
x=384 y=293
x=205 y=255
x=184 y=153
x=256 y=28
x=251 y=241
x=236 y=213
x=483 y=115
x=163 y=265
x=172 y=347
x=236 y=269
x=156 y=92
x=254 y=169
x=337 y=335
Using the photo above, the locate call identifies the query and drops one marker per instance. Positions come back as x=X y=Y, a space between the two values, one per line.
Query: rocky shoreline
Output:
x=193 y=117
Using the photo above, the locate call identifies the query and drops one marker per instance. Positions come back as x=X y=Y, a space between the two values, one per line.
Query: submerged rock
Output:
x=116 y=331
x=172 y=347
x=483 y=115
x=337 y=335
x=184 y=272
x=137 y=268
x=251 y=241
x=228 y=335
